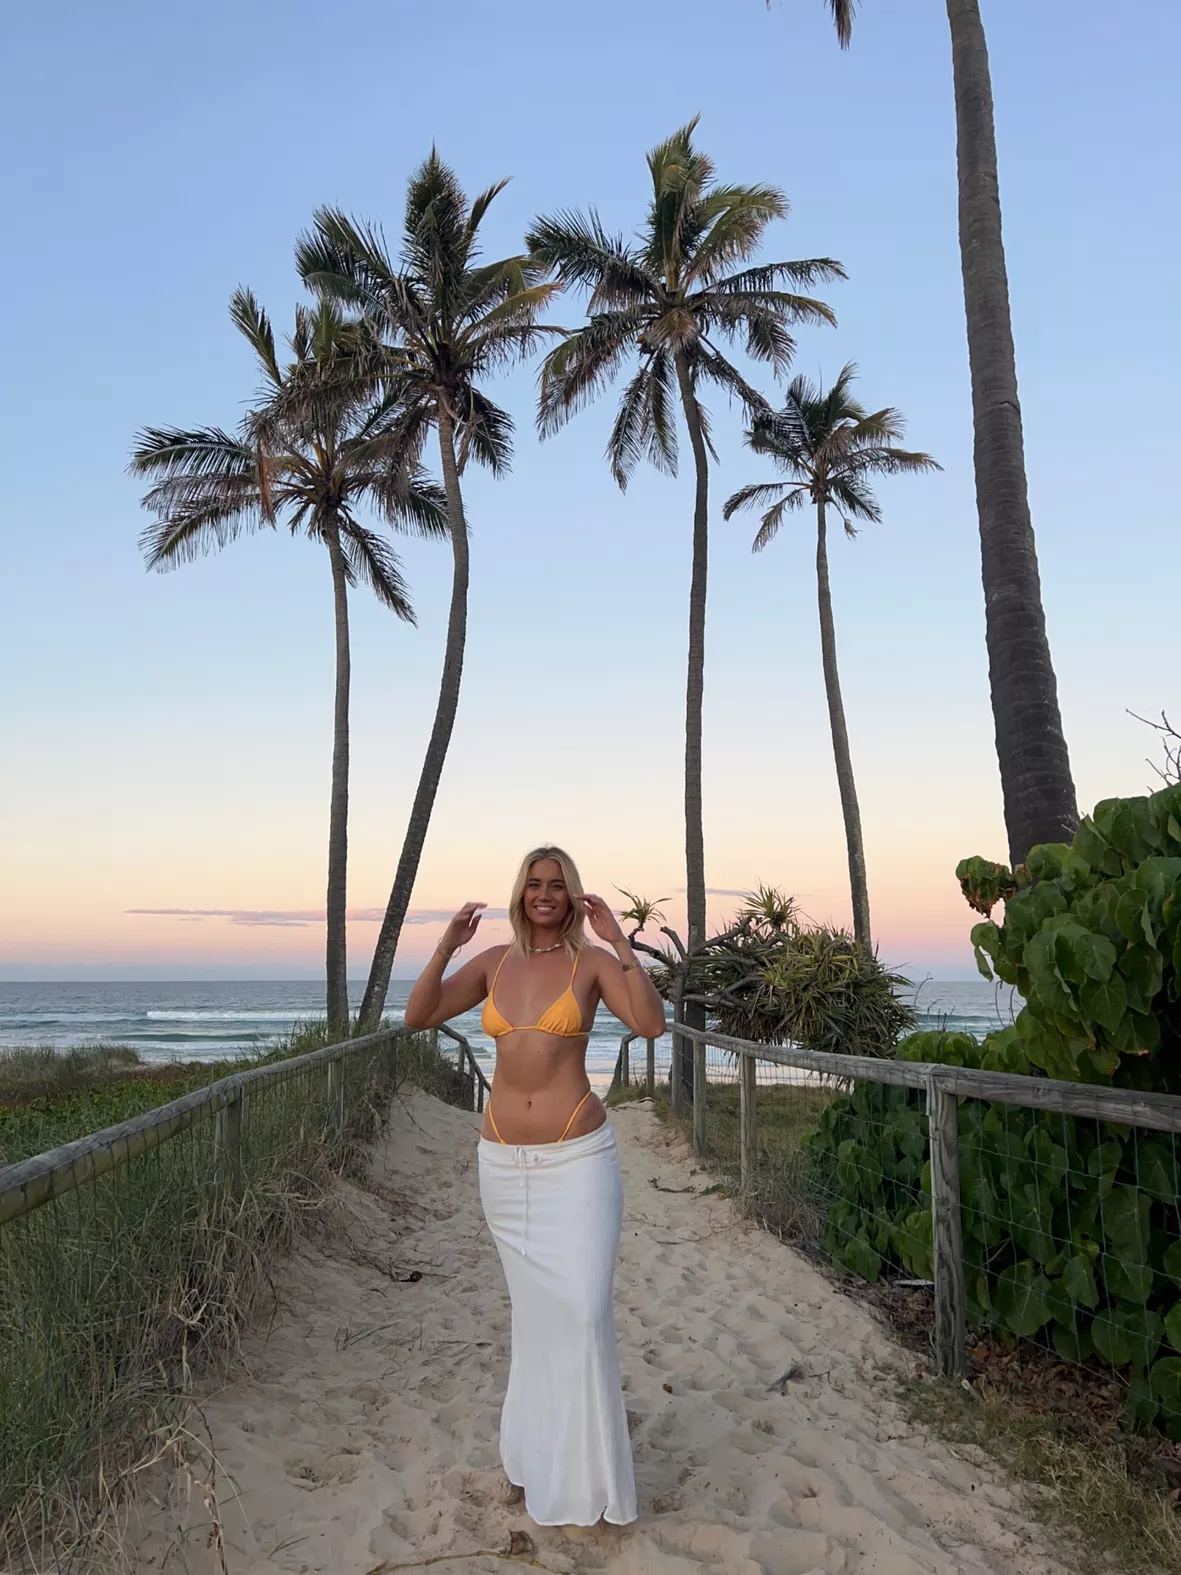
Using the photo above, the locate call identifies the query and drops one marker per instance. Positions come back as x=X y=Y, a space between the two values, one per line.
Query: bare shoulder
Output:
x=487 y=960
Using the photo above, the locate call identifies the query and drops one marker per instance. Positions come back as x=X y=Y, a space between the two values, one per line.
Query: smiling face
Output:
x=546 y=900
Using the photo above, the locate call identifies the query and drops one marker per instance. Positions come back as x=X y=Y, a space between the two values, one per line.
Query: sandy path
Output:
x=364 y=1435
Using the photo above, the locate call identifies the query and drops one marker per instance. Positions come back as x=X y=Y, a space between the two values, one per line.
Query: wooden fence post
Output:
x=699 y=1093
x=433 y=1041
x=674 y=1068
x=625 y=1062
x=336 y=1090
x=227 y=1143
x=651 y=1069
x=748 y=1132
x=947 y=1230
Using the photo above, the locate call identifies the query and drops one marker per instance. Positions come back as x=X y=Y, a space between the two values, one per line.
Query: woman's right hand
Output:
x=461 y=929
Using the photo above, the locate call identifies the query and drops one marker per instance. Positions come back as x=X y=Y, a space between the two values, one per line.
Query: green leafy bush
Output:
x=1072 y=1228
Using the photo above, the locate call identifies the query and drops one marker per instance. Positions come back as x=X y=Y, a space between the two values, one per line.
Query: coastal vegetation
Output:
x=408 y=341
x=1072 y=1227
x=829 y=447
x=115 y=1296
x=319 y=444
x=436 y=321
x=688 y=285
x=774 y=978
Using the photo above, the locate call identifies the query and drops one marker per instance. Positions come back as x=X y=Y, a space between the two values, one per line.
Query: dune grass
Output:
x=1097 y=1486
x=113 y=1296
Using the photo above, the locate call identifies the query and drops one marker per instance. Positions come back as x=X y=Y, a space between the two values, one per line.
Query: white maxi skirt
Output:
x=555 y=1211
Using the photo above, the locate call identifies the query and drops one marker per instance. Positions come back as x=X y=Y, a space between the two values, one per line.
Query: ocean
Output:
x=219 y=1020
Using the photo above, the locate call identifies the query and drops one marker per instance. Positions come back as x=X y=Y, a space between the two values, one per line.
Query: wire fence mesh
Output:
x=114 y=1292
x=1071 y=1226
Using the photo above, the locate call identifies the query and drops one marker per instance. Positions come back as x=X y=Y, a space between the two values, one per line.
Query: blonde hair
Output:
x=573 y=938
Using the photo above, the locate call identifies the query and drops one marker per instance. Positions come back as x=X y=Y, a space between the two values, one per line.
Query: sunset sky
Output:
x=167 y=737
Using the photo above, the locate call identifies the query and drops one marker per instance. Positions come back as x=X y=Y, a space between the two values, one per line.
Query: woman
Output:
x=550 y=1180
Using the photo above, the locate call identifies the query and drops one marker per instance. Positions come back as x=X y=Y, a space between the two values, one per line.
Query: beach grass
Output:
x=1096 y=1485
x=114 y=1296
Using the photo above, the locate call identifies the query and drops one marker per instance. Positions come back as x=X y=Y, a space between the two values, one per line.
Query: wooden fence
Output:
x=469 y=1067
x=943 y=1087
x=33 y=1182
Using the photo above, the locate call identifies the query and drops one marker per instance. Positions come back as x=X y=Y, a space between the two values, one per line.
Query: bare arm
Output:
x=623 y=983
x=434 y=999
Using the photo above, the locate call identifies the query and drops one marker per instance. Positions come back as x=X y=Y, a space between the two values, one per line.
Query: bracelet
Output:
x=627 y=967
x=446 y=956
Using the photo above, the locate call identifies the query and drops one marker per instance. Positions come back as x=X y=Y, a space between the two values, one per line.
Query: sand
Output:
x=361 y=1437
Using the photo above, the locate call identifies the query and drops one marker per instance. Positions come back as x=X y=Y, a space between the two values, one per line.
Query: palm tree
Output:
x=444 y=320
x=1036 y=782
x=829 y=446
x=315 y=448
x=669 y=299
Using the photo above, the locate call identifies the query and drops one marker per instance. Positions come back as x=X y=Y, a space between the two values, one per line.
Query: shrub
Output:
x=774 y=979
x=1072 y=1228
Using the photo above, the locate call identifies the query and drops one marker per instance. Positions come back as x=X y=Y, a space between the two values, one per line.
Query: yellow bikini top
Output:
x=563 y=1018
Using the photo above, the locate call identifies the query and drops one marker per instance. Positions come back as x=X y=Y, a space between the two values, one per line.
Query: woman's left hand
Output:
x=602 y=921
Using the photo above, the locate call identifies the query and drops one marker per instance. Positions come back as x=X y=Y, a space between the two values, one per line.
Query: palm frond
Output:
x=191 y=532
x=480 y=206
x=757 y=492
x=580 y=251
x=709 y=364
x=842 y=15
x=773 y=519
x=438 y=242
x=661 y=418
x=733 y=220
x=888 y=461
x=785 y=435
x=854 y=499
x=345 y=260
x=485 y=432
x=192 y=452
x=252 y=321
x=583 y=364
x=410 y=498
x=373 y=562
x=806 y=272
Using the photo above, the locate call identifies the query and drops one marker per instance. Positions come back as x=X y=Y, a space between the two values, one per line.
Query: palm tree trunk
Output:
x=338 y=818
x=695 y=682
x=1038 y=789
x=377 y=988
x=858 y=886
x=694 y=1015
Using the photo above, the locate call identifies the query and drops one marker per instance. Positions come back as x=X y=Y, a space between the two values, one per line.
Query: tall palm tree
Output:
x=829 y=446
x=670 y=298
x=1036 y=782
x=444 y=320
x=316 y=447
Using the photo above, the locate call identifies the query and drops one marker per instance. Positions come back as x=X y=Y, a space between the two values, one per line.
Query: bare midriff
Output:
x=539 y=1081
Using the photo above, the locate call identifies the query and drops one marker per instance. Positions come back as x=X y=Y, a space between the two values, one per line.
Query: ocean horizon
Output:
x=218 y=1020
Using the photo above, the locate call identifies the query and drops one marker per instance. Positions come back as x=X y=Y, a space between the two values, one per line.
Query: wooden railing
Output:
x=31 y=1183
x=468 y=1064
x=943 y=1086
x=622 y=1076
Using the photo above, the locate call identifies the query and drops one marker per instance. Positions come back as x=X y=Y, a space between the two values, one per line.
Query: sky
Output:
x=167 y=738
